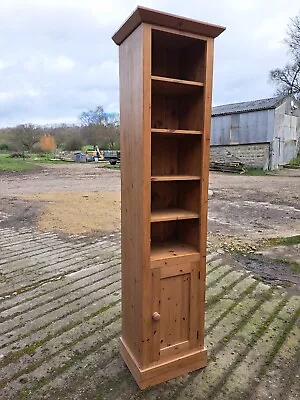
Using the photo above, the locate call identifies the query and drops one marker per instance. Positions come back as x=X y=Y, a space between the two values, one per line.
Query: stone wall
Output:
x=252 y=155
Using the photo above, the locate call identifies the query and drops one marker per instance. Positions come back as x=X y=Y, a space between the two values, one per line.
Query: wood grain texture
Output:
x=165 y=93
x=207 y=106
x=135 y=189
x=174 y=86
x=163 y=370
x=142 y=14
x=177 y=56
x=172 y=214
x=175 y=310
x=146 y=300
x=163 y=178
x=156 y=307
x=171 y=155
x=174 y=350
x=177 y=112
x=178 y=132
x=175 y=194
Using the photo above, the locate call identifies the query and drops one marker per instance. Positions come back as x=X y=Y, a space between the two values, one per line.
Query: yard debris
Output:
x=227 y=162
x=228 y=166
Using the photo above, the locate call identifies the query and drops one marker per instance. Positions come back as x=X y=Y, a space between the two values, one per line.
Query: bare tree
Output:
x=24 y=137
x=287 y=79
x=93 y=117
x=293 y=36
x=100 y=128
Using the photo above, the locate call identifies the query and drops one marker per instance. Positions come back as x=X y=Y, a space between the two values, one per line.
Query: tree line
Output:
x=96 y=128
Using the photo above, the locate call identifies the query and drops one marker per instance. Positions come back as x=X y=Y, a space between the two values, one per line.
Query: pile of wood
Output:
x=226 y=162
x=228 y=166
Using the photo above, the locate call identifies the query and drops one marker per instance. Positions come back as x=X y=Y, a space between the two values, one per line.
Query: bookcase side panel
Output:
x=207 y=107
x=132 y=189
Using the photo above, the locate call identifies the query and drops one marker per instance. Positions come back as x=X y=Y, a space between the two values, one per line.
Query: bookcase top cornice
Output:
x=153 y=17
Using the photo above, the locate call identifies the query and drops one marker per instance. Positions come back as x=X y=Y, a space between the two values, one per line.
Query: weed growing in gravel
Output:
x=284 y=241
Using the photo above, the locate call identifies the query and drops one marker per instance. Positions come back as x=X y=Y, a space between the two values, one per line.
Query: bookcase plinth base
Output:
x=164 y=370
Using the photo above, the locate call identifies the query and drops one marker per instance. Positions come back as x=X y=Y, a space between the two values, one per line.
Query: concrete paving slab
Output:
x=60 y=323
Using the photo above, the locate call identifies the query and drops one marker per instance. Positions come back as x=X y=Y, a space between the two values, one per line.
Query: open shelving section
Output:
x=165 y=96
x=176 y=146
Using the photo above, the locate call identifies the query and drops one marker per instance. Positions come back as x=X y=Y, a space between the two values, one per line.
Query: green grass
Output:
x=15 y=164
x=284 y=241
x=255 y=172
x=109 y=166
x=8 y=164
x=295 y=162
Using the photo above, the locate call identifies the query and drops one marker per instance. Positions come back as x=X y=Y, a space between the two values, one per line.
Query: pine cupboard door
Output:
x=176 y=311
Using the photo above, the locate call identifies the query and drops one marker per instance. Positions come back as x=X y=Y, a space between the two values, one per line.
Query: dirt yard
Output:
x=82 y=198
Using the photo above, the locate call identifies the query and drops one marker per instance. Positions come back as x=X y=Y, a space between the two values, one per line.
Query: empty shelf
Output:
x=160 y=251
x=172 y=214
x=175 y=178
x=176 y=131
x=173 y=86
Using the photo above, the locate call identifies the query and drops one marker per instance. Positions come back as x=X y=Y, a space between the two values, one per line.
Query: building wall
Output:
x=285 y=144
x=279 y=127
x=252 y=155
x=243 y=128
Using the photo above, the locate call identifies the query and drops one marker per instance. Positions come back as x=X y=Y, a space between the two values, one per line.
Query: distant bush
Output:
x=4 y=147
x=295 y=162
x=17 y=155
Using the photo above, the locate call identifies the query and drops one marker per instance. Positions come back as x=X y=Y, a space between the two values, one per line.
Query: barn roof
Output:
x=248 y=106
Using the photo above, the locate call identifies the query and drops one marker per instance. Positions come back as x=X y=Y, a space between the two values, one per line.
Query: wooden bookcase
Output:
x=165 y=97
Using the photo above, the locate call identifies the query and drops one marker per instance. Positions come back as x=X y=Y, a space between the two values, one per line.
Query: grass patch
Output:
x=295 y=267
x=255 y=172
x=284 y=241
x=8 y=164
x=109 y=166
x=295 y=162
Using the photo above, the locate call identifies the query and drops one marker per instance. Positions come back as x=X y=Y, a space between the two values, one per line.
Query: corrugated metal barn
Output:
x=262 y=134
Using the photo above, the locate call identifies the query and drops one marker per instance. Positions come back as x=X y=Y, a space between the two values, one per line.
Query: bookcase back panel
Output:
x=164 y=156
x=173 y=155
x=176 y=56
x=188 y=232
x=177 y=111
x=183 y=195
x=185 y=231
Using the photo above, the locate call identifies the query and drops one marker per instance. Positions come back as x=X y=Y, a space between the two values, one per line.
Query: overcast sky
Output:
x=57 y=58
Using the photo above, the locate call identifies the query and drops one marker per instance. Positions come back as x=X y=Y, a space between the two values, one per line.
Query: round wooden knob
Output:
x=156 y=316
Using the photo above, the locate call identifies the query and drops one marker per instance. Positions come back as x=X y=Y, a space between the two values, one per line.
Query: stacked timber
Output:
x=227 y=162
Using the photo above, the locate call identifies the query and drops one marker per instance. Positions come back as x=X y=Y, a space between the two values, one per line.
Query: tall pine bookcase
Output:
x=166 y=65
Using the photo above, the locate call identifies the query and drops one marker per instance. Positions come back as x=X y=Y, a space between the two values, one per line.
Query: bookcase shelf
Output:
x=171 y=249
x=175 y=132
x=174 y=86
x=172 y=214
x=161 y=178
